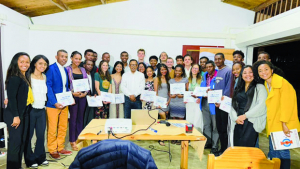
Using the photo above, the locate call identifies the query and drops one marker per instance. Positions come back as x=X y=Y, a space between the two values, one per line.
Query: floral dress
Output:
x=103 y=112
x=150 y=87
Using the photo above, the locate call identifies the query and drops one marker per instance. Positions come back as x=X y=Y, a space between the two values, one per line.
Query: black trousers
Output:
x=18 y=142
x=37 y=123
x=245 y=135
x=222 y=122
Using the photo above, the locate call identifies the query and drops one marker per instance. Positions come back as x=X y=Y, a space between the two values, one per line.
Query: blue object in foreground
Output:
x=112 y=154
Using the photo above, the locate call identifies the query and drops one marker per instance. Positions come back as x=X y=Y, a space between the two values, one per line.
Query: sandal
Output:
x=173 y=142
x=178 y=142
x=161 y=142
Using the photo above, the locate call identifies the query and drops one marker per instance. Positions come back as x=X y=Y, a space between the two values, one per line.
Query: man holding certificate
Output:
x=132 y=85
x=57 y=82
x=208 y=109
x=223 y=82
x=79 y=85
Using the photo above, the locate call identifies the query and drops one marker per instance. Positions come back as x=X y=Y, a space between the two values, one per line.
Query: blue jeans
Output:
x=283 y=155
x=131 y=105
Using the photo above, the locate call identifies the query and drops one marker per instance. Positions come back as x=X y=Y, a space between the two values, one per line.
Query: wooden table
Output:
x=164 y=133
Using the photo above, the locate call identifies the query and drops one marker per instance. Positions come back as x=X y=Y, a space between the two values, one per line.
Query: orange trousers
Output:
x=57 y=128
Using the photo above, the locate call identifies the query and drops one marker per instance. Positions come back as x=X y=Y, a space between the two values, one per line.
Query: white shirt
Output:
x=127 y=68
x=133 y=83
x=63 y=75
x=187 y=72
x=39 y=91
x=90 y=82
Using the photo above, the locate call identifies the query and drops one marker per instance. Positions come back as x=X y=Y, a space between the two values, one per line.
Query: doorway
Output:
x=193 y=50
x=286 y=56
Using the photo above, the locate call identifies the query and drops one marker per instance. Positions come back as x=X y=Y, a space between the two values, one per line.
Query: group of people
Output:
x=259 y=99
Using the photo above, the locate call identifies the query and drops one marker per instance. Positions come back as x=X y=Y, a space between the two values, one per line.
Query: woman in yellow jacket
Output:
x=282 y=112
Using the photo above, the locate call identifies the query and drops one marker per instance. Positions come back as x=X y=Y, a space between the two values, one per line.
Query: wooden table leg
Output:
x=184 y=154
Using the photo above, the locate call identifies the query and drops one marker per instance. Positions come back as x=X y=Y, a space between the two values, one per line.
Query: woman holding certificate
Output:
x=177 y=106
x=162 y=88
x=193 y=112
x=282 y=111
x=149 y=85
x=248 y=112
x=77 y=110
x=102 y=84
x=16 y=115
x=116 y=110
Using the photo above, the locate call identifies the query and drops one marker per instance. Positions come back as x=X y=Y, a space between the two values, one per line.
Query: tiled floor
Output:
x=162 y=159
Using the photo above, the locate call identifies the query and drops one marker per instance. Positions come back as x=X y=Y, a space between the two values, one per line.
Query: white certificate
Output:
x=226 y=104
x=148 y=95
x=80 y=85
x=119 y=98
x=200 y=91
x=94 y=101
x=187 y=97
x=282 y=142
x=214 y=96
x=65 y=98
x=160 y=101
x=177 y=88
x=108 y=97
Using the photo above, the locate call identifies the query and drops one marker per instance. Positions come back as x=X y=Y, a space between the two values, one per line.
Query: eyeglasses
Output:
x=133 y=64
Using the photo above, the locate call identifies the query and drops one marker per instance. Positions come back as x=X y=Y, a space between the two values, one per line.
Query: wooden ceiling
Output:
x=33 y=8
x=254 y=5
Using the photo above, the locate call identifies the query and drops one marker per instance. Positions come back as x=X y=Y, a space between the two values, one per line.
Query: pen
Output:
x=155 y=131
x=99 y=132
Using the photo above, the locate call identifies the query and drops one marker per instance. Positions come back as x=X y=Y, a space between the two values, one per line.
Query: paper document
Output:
x=119 y=98
x=107 y=97
x=226 y=104
x=148 y=95
x=281 y=142
x=65 y=98
x=94 y=101
x=187 y=97
x=80 y=85
x=177 y=88
x=200 y=91
x=160 y=101
x=214 y=96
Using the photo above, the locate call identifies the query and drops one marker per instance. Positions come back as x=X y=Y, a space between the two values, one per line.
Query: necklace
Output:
x=38 y=77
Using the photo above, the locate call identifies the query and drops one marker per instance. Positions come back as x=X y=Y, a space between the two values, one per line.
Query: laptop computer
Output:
x=141 y=117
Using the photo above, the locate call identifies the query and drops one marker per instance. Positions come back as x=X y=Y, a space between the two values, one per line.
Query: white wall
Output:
x=47 y=43
x=155 y=25
x=14 y=35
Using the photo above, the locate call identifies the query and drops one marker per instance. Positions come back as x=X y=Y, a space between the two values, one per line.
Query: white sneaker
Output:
x=45 y=163
x=34 y=166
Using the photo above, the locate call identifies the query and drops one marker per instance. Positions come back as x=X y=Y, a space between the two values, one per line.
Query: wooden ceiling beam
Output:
x=264 y=5
x=60 y=4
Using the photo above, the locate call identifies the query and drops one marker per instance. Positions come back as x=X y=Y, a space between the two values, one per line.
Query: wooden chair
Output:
x=242 y=158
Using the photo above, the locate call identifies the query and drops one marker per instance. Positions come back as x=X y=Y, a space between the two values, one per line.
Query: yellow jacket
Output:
x=281 y=105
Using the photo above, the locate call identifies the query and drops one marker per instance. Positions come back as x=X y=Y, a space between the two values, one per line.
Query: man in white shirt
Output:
x=132 y=85
x=124 y=59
